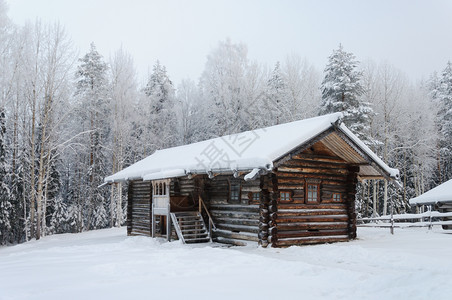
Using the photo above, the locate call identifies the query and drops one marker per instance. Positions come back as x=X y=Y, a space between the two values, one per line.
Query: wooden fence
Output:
x=426 y=219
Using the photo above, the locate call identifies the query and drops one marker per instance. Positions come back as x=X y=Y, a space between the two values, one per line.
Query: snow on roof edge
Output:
x=392 y=172
x=440 y=193
x=272 y=142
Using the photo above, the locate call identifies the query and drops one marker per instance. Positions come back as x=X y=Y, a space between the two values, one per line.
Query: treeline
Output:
x=66 y=122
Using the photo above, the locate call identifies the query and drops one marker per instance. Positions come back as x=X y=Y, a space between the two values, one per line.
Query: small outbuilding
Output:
x=289 y=184
x=440 y=198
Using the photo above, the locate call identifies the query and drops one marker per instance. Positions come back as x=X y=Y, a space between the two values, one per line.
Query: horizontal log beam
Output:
x=312 y=206
x=313 y=225
x=305 y=233
x=310 y=241
x=338 y=218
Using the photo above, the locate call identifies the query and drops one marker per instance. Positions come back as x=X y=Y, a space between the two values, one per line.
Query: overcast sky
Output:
x=413 y=35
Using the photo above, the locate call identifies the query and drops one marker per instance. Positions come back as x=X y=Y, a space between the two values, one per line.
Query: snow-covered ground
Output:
x=106 y=264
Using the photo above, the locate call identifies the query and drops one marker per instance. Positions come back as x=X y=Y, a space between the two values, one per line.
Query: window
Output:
x=285 y=196
x=312 y=192
x=161 y=188
x=234 y=191
x=256 y=197
x=336 y=197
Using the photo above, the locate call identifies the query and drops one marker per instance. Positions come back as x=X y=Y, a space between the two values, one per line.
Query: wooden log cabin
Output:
x=289 y=184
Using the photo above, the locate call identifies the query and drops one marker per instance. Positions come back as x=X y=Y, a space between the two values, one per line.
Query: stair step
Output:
x=194 y=229
x=186 y=213
x=189 y=220
x=187 y=216
x=199 y=240
x=190 y=227
x=195 y=236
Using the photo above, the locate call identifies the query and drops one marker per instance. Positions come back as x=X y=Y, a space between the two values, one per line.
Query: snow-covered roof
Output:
x=246 y=151
x=441 y=193
x=393 y=173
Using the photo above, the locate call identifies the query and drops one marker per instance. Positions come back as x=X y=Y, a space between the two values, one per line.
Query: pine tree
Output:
x=5 y=195
x=341 y=90
x=19 y=211
x=162 y=125
x=53 y=190
x=59 y=218
x=100 y=218
x=443 y=95
x=92 y=88
x=276 y=96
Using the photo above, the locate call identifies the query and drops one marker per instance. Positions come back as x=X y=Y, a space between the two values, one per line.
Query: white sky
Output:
x=413 y=35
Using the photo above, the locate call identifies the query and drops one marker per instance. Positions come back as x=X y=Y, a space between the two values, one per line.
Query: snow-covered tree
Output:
x=441 y=91
x=276 y=96
x=162 y=128
x=302 y=81
x=191 y=111
x=5 y=195
x=59 y=218
x=94 y=111
x=100 y=216
x=231 y=86
x=123 y=99
x=341 y=91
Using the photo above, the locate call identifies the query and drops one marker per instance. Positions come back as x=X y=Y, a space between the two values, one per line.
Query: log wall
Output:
x=184 y=194
x=297 y=222
x=139 y=208
x=235 y=222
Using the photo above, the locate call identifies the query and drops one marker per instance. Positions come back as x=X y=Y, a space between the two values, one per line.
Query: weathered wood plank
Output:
x=236 y=207
x=233 y=214
x=238 y=228
x=312 y=218
x=310 y=212
x=236 y=236
x=306 y=233
x=312 y=225
x=310 y=241
x=313 y=169
x=319 y=158
x=246 y=222
x=312 y=206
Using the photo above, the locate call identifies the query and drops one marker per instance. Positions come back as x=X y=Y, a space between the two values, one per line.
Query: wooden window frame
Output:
x=231 y=183
x=340 y=197
x=312 y=183
x=251 y=196
x=290 y=196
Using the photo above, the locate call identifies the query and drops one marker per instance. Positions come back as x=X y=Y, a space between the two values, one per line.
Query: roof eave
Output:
x=378 y=166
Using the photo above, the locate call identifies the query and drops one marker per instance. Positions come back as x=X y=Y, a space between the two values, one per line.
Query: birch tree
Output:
x=123 y=98
x=302 y=85
x=53 y=69
x=230 y=84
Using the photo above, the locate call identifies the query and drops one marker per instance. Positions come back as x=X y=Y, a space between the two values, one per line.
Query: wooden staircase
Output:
x=190 y=227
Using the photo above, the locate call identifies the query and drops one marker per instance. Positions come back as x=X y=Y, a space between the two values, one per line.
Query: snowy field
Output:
x=106 y=264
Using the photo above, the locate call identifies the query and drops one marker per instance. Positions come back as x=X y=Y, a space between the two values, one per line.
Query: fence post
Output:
x=430 y=225
x=392 y=216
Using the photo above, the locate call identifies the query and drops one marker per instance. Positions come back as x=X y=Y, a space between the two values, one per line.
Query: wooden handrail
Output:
x=201 y=202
